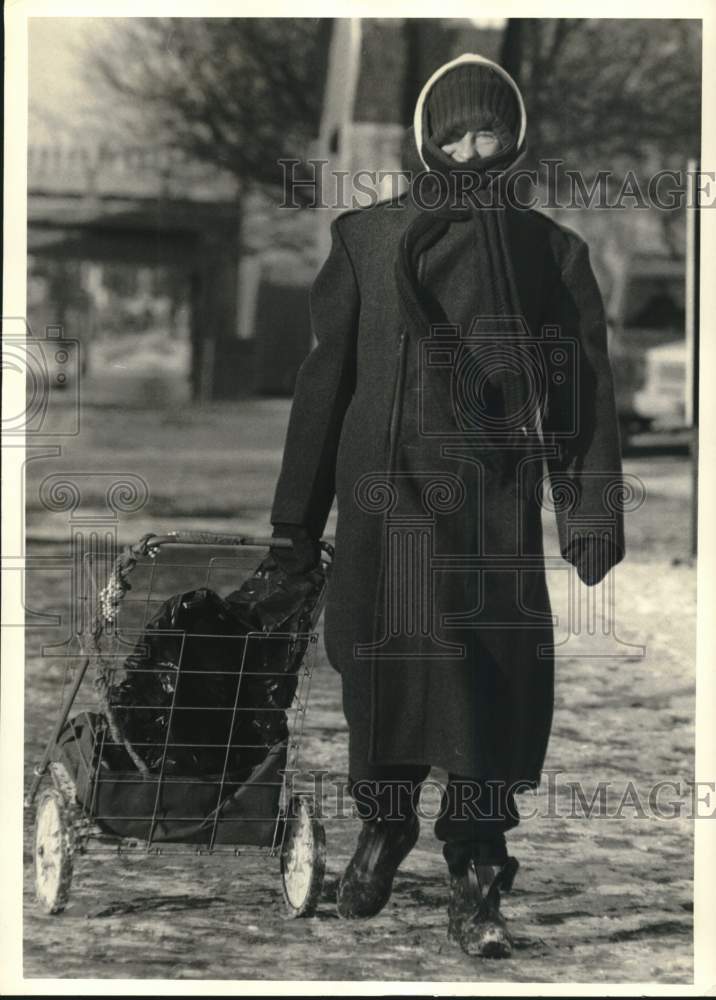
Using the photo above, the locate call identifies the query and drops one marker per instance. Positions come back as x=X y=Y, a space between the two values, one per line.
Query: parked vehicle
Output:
x=647 y=343
x=663 y=394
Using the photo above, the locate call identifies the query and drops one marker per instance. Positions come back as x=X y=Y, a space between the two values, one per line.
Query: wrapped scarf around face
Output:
x=498 y=298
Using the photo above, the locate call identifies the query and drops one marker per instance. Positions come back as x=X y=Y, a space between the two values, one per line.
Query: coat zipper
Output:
x=396 y=409
x=397 y=404
x=394 y=423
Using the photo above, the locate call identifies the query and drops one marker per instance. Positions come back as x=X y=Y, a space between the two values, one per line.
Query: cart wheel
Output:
x=303 y=859
x=54 y=844
x=62 y=780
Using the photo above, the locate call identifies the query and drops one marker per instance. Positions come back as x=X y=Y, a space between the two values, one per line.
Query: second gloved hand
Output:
x=593 y=557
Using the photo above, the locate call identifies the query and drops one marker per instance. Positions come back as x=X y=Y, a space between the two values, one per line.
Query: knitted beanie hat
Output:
x=469 y=93
x=473 y=96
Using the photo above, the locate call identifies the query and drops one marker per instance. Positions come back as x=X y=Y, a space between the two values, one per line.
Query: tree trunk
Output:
x=511 y=48
x=427 y=45
x=214 y=313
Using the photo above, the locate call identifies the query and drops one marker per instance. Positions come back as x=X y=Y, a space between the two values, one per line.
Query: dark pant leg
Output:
x=390 y=791
x=474 y=817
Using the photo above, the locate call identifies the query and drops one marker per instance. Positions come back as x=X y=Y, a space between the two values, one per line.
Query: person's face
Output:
x=482 y=142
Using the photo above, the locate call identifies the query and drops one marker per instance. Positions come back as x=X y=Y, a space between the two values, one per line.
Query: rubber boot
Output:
x=367 y=882
x=474 y=918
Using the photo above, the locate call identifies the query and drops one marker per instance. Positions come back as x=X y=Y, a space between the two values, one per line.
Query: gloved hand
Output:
x=592 y=557
x=305 y=554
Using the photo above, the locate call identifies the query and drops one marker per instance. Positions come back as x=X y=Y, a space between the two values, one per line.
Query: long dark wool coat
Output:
x=446 y=661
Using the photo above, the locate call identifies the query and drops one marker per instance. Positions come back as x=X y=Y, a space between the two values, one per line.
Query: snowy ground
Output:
x=605 y=898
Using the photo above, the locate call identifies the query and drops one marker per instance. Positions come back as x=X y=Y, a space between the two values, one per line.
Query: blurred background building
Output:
x=156 y=233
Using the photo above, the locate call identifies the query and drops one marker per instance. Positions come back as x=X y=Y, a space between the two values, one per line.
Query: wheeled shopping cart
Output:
x=182 y=716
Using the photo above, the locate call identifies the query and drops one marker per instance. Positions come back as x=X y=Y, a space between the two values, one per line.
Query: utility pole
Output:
x=692 y=340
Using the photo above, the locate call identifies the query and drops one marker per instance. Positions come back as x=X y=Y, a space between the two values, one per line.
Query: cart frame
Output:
x=64 y=828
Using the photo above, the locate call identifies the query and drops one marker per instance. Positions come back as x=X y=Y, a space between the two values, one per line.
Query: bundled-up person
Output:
x=460 y=370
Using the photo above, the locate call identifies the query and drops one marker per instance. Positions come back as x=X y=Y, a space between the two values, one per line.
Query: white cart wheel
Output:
x=303 y=859
x=54 y=845
x=62 y=780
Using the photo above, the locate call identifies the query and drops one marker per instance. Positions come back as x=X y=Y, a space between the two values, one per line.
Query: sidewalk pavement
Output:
x=597 y=899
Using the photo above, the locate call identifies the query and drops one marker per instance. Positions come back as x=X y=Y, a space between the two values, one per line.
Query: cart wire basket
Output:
x=182 y=717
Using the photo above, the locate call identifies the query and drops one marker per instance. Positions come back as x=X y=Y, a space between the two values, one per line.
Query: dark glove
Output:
x=593 y=558
x=305 y=554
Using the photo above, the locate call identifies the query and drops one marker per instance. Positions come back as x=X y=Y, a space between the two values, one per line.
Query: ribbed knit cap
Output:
x=473 y=96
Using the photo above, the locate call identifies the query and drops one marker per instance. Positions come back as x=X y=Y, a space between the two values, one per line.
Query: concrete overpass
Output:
x=150 y=207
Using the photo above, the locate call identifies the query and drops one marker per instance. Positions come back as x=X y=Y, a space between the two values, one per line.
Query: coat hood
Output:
x=491 y=91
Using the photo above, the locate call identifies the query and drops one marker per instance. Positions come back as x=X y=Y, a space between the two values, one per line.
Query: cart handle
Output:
x=152 y=541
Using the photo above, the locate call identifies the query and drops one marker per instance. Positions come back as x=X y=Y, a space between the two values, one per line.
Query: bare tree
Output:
x=610 y=95
x=603 y=91
x=237 y=93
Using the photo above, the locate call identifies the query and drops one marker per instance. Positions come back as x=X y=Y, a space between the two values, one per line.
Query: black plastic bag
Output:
x=208 y=684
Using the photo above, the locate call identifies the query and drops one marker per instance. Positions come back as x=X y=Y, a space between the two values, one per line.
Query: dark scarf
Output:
x=498 y=297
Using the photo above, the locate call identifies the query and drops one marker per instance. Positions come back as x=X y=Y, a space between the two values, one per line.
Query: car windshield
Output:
x=655 y=303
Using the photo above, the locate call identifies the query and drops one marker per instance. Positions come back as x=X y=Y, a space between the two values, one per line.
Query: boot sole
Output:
x=347 y=912
x=494 y=943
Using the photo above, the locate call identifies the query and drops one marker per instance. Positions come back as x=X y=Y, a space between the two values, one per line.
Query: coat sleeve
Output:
x=324 y=388
x=580 y=425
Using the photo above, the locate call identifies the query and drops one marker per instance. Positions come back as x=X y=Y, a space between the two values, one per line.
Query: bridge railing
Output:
x=124 y=171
